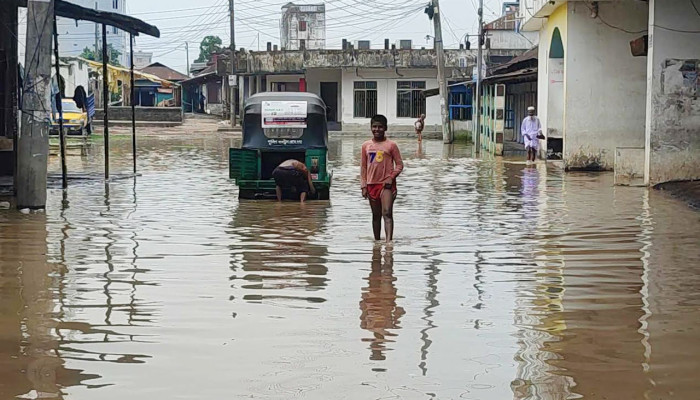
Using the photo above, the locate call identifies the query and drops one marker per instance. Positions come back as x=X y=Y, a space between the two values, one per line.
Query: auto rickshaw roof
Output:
x=313 y=135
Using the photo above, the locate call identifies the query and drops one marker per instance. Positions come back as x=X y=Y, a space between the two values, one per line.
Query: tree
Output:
x=209 y=46
x=114 y=55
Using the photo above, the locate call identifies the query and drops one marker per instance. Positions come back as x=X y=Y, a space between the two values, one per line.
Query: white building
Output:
x=74 y=73
x=618 y=85
x=355 y=85
x=74 y=36
x=142 y=59
x=303 y=26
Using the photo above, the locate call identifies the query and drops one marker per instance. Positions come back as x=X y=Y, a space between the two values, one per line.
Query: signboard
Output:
x=232 y=80
x=284 y=142
x=284 y=114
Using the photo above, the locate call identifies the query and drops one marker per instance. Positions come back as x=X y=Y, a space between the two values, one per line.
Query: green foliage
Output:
x=209 y=46
x=114 y=55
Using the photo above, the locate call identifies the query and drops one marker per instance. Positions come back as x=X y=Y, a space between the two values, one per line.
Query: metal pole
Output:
x=59 y=108
x=105 y=95
x=479 y=60
x=232 y=88
x=446 y=131
x=133 y=103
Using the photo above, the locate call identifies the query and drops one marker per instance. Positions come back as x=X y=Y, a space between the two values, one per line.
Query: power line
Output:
x=694 y=7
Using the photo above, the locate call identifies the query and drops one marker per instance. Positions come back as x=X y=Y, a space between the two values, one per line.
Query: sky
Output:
x=257 y=22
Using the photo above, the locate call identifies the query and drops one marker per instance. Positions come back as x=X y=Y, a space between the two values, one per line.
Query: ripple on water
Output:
x=505 y=281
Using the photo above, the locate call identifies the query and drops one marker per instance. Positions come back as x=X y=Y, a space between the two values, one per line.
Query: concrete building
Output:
x=75 y=73
x=142 y=59
x=356 y=84
x=618 y=85
x=74 y=36
x=303 y=26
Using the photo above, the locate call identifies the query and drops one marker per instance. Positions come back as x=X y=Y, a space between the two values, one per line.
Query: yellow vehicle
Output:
x=75 y=120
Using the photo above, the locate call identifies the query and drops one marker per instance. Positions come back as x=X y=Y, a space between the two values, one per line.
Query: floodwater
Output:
x=504 y=282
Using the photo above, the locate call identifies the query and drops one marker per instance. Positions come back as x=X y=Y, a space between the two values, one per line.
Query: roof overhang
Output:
x=210 y=76
x=134 y=26
x=535 y=17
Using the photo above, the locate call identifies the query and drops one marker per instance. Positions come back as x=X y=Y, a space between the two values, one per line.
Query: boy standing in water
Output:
x=381 y=164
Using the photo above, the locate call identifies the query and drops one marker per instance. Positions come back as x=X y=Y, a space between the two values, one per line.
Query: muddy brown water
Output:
x=504 y=282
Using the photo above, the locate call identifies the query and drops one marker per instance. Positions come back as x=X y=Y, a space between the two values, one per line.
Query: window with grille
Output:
x=115 y=4
x=365 y=105
x=114 y=30
x=410 y=102
x=302 y=26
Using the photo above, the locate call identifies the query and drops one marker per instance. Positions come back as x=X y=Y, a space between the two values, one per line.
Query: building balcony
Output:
x=533 y=13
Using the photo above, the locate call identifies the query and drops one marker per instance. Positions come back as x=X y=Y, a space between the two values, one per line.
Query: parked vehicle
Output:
x=75 y=120
x=279 y=126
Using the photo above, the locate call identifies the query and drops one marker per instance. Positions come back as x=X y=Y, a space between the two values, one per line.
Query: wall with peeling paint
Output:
x=314 y=36
x=605 y=86
x=673 y=94
x=458 y=62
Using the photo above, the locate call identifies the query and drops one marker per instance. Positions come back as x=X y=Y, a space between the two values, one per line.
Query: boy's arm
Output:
x=363 y=167
x=398 y=162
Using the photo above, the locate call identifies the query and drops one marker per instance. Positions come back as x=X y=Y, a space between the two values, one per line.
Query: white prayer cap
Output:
x=531 y=108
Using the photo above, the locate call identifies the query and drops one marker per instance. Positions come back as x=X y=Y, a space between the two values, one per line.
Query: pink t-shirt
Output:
x=380 y=161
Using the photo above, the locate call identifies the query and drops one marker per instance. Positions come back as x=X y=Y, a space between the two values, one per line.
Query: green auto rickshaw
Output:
x=279 y=126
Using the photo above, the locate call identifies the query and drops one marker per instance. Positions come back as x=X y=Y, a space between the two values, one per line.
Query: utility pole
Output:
x=33 y=141
x=434 y=14
x=187 y=50
x=476 y=113
x=97 y=37
x=232 y=88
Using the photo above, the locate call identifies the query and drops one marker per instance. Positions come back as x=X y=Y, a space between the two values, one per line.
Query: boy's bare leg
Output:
x=302 y=196
x=376 y=218
x=387 y=198
x=278 y=192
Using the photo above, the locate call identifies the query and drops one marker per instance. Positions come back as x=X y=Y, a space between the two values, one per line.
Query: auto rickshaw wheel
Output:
x=246 y=194
x=324 y=194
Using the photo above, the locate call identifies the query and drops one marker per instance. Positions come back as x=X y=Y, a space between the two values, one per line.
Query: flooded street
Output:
x=504 y=282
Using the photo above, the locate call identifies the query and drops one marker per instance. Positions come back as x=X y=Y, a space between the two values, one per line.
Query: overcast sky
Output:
x=183 y=21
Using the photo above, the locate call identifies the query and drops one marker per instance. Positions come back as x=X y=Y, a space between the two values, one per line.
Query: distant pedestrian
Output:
x=420 y=125
x=202 y=102
x=381 y=164
x=293 y=174
x=531 y=129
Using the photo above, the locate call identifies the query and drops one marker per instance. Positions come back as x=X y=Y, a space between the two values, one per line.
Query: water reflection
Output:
x=380 y=312
x=31 y=363
x=279 y=254
x=505 y=282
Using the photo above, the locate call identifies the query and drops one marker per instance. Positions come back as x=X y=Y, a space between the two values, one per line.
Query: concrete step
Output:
x=142 y=124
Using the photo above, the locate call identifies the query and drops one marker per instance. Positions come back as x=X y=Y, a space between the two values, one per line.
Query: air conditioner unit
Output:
x=404 y=44
x=362 y=44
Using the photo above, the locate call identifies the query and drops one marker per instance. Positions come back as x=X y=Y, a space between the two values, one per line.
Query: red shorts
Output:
x=374 y=190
